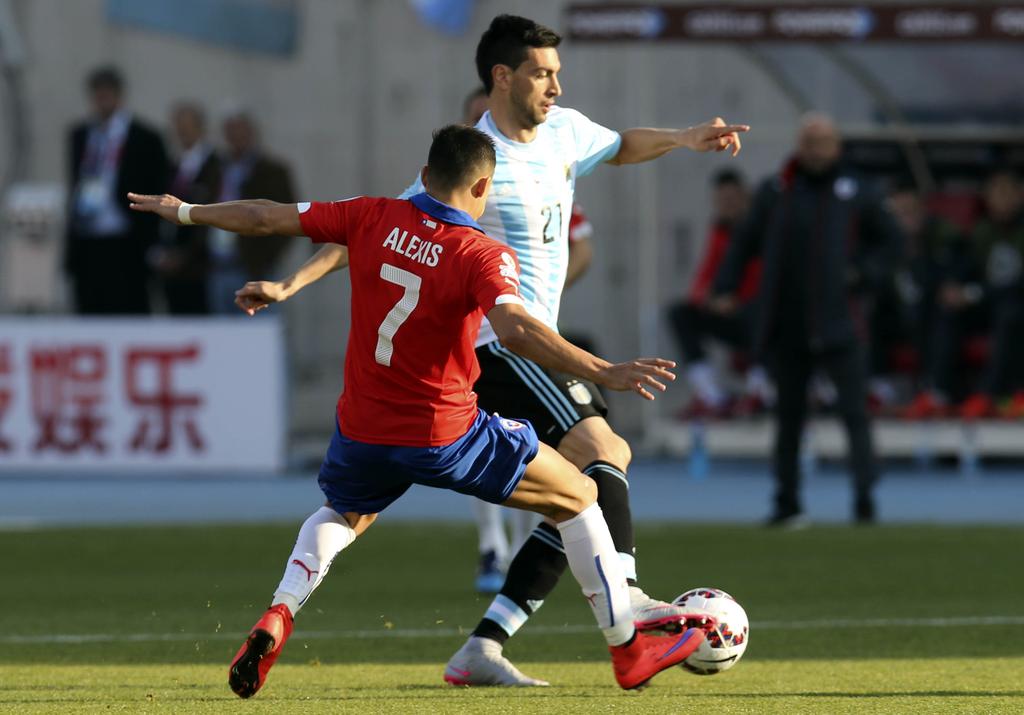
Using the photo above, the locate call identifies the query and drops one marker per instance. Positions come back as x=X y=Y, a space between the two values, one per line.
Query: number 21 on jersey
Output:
x=552 y=222
x=398 y=314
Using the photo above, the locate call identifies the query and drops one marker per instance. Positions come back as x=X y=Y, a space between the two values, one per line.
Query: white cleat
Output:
x=650 y=614
x=480 y=662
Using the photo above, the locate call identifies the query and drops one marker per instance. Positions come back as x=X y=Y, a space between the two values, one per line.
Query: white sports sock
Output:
x=701 y=377
x=491 y=529
x=322 y=537
x=598 y=569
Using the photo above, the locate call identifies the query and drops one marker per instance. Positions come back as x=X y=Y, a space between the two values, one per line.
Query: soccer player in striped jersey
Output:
x=542 y=149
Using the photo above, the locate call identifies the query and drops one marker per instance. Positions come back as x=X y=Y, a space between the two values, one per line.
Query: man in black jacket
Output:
x=112 y=152
x=826 y=239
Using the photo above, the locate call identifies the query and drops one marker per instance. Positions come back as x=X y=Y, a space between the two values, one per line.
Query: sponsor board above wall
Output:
x=815 y=22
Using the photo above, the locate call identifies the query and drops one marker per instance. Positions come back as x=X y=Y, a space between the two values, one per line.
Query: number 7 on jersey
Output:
x=400 y=313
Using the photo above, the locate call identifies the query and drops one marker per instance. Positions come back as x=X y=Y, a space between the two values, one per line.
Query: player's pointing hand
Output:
x=165 y=206
x=640 y=376
x=716 y=135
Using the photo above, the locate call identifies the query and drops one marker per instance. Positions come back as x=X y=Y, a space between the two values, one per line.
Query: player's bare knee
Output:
x=359 y=522
x=581 y=496
x=619 y=453
x=594 y=440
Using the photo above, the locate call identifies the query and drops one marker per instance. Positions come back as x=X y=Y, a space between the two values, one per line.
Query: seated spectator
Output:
x=984 y=291
x=906 y=309
x=998 y=241
x=694 y=321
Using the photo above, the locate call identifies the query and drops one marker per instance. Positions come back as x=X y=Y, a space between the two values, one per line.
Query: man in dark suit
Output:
x=105 y=254
x=248 y=174
x=827 y=241
x=182 y=260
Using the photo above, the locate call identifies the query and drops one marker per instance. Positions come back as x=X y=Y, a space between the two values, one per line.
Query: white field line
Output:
x=825 y=623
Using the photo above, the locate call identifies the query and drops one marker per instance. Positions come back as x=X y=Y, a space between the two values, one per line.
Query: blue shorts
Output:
x=487 y=462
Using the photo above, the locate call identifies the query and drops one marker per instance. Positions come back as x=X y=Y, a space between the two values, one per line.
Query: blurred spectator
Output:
x=826 y=238
x=110 y=154
x=998 y=247
x=182 y=259
x=248 y=174
x=694 y=322
x=908 y=309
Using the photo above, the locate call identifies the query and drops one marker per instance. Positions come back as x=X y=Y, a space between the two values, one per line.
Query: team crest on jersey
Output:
x=580 y=393
x=511 y=425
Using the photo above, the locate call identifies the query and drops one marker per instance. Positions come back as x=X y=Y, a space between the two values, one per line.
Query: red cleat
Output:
x=648 y=655
x=257 y=655
x=976 y=407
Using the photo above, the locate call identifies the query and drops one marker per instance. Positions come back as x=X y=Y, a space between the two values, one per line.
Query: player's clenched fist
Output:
x=638 y=375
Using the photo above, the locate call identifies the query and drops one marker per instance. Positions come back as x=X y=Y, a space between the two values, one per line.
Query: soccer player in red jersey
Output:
x=423 y=277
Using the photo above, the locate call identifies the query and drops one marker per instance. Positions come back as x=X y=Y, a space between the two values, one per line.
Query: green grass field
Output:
x=880 y=620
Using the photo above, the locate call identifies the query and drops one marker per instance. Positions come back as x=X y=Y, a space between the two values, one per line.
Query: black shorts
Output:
x=515 y=387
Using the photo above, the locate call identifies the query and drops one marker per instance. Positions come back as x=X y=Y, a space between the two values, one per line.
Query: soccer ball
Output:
x=725 y=644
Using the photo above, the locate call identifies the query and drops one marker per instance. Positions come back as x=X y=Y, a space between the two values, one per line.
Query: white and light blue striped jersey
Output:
x=531 y=201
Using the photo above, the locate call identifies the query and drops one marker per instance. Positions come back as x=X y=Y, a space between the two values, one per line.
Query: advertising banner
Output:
x=810 y=22
x=161 y=395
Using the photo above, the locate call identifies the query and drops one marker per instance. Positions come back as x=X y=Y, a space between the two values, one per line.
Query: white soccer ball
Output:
x=727 y=642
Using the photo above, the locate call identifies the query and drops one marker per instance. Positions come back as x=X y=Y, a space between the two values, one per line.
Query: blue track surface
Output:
x=661 y=490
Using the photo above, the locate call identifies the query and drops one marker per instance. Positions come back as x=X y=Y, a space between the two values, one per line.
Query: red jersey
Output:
x=423 y=276
x=714 y=253
x=579 y=225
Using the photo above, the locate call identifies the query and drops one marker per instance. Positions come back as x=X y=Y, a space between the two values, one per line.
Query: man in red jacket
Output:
x=693 y=320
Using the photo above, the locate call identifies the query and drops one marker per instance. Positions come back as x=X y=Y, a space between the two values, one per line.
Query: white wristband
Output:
x=184 y=214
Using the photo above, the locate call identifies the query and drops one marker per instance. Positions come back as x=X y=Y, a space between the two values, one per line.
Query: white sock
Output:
x=598 y=569
x=491 y=529
x=523 y=524
x=322 y=537
x=702 y=379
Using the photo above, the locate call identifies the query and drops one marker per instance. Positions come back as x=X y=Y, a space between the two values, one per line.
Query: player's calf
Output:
x=571 y=502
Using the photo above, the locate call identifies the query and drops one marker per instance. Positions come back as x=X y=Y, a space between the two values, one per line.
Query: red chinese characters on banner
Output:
x=67 y=393
x=6 y=394
x=162 y=407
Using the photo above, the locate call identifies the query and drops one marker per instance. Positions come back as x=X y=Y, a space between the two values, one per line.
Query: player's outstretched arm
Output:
x=255 y=217
x=527 y=336
x=644 y=144
x=254 y=296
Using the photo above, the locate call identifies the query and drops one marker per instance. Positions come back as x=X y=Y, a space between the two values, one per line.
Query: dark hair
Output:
x=728 y=177
x=107 y=77
x=505 y=43
x=456 y=155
